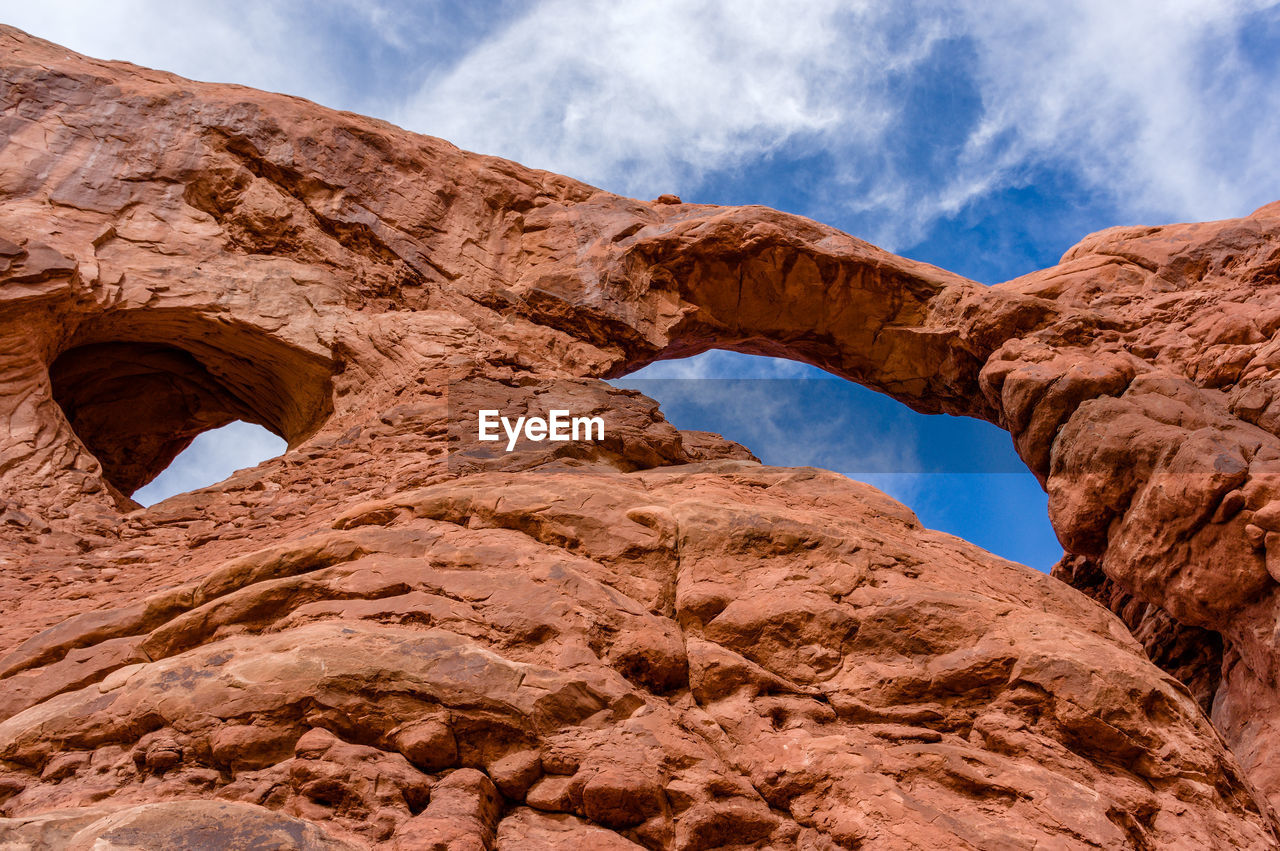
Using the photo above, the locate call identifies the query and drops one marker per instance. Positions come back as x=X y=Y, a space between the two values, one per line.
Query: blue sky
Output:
x=986 y=136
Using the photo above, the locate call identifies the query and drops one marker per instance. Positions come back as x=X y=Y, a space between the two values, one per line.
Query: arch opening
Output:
x=959 y=474
x=211 y=457
x=135 y=406
x=137 y=390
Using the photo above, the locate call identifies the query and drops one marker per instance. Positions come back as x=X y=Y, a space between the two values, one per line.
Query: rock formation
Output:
x=650 y=642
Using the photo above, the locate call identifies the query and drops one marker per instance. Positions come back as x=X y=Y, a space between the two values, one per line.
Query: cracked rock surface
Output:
x=393 y=637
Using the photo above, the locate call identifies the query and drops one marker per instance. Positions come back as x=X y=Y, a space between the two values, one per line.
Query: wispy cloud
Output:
x=1156 y=105
x=1164 y=108
x=368 y=56
x=237 y=41
x=643 y=96
x=1158 y=102
x=647 y=97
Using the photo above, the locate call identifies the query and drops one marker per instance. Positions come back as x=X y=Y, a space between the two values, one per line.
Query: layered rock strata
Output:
x=653 y=642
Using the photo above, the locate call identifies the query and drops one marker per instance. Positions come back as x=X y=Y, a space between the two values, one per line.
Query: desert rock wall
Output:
x=656 y=642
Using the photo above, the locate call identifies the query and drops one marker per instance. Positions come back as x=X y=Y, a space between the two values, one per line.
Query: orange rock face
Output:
x=649 y=642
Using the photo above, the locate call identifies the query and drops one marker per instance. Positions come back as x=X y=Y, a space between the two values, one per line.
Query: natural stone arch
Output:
x=1150 y=420
x=398 y=262
x=137 y=387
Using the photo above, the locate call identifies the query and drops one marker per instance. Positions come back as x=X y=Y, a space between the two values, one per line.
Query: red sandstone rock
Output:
x=652 y=642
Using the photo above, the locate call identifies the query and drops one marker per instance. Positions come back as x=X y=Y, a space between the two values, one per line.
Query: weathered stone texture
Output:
x=655 y=642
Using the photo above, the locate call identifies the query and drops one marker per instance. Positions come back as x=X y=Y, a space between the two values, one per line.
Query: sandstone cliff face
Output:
x=658 y=642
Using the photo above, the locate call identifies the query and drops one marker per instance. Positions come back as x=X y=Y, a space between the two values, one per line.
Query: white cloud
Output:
x=1142 y=99
x=1149 y=99
x=1149 y=102
x=263 y=45
x=644 y=97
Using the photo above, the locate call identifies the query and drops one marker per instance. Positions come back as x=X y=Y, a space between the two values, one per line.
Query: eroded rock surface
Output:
x=651 y=642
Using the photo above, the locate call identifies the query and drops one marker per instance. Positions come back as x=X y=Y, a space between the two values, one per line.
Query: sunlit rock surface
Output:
x=653 y=641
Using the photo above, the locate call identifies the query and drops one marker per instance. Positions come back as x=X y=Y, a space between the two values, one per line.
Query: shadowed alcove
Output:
x=137 y=400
